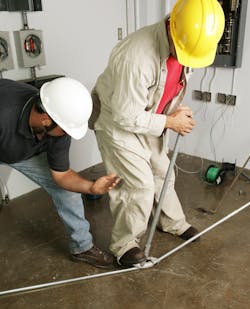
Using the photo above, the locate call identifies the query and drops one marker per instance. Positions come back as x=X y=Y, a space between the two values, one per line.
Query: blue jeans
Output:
x=68 y=204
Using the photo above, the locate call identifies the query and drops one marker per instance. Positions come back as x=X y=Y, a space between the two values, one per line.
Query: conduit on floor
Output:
x=148 y=264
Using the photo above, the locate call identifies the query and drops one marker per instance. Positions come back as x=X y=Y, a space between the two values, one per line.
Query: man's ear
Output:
x=45 y=120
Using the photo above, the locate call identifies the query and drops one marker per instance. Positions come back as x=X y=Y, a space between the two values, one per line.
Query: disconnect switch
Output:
x=6 y=60
x=29 y=46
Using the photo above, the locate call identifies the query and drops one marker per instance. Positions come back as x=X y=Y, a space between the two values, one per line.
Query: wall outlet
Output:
x=227 y=99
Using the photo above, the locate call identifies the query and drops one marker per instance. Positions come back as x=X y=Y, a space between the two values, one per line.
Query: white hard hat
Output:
x=68 y=103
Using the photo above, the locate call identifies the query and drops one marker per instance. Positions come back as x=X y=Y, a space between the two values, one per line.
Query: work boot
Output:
x=189 y=233
x=96 y=257
x=132 y=256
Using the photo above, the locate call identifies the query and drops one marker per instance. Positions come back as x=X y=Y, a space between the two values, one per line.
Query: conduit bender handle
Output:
x=162 y=195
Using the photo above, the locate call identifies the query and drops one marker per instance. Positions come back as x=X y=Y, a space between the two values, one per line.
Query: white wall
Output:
x=78 y=36
x=149 y=12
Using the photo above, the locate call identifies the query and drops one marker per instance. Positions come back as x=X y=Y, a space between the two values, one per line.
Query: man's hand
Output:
x=72 y=181
x=181 y=120
x=104 y=184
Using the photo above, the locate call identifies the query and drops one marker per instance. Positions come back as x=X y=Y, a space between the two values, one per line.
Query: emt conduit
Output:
x=148 y=264
x=162 y=195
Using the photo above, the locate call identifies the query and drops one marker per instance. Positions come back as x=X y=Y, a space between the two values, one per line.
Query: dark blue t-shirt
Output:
x=17 y=142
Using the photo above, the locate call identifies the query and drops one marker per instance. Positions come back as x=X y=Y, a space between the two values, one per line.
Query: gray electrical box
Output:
x=29 y=47
x=3 y=5
x=6 y=59
x=230 y=47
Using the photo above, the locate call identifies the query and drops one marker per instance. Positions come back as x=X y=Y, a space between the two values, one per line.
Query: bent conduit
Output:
x=150 y=263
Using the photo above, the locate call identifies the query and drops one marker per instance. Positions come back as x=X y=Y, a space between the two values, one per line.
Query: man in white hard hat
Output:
x=35 y=135
x=137 y=102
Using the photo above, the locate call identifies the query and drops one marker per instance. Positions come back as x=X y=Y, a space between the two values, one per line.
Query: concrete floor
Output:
x=211 y=273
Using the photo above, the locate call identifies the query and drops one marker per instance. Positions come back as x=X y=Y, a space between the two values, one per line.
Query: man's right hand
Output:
x=181 y=120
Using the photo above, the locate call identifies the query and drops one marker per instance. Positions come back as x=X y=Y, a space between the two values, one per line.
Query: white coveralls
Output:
x=131 y=136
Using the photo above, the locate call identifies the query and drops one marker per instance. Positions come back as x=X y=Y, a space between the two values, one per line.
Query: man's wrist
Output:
x=91 y=189
x=168 y=122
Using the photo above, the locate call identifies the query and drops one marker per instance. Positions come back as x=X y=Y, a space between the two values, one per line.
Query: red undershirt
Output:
x=173 y=84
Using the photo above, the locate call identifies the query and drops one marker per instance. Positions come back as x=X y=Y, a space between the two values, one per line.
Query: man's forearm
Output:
x=70 y=180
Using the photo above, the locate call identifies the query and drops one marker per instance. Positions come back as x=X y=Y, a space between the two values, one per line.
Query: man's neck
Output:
x=35 y=124
x=170 y=41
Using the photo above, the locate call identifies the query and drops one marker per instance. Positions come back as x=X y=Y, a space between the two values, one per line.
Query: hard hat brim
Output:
x=77 y=133
x=195 y=62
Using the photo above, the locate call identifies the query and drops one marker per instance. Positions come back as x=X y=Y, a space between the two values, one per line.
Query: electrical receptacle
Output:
x=227 y=99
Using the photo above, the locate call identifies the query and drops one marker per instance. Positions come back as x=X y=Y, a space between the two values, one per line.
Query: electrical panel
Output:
x=230 y=47
x=29 y=47
x=3 y=5
x=20 y=5
x=6 y=60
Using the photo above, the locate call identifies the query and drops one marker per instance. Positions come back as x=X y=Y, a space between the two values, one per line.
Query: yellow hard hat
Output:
x=196 y=27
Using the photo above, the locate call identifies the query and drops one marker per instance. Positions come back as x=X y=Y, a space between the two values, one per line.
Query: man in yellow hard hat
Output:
x=35 y=135
x=137 y=101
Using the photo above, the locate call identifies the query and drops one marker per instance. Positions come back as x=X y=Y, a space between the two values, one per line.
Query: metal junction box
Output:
x=6 y=59
x=29 y=47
